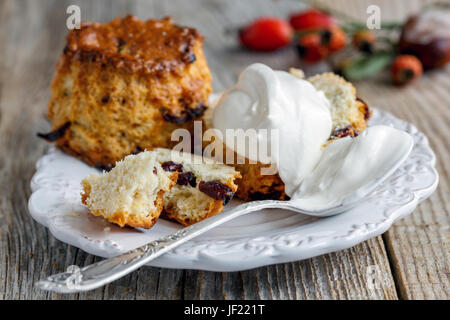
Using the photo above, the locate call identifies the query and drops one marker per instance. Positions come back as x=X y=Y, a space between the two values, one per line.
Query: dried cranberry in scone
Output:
x=185 y=178
x=172 y=166
x=216 y=190
x=203 y=186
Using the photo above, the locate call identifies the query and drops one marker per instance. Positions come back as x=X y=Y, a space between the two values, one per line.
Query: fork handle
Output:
x=106 y=271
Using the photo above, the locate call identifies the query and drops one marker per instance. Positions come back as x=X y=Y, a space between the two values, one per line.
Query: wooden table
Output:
x=410 y=260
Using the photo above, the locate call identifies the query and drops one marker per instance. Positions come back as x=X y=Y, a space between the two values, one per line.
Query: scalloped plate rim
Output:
x=190 y=258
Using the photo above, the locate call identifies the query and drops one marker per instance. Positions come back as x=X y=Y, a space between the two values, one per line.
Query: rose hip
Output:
x=311 y=49
x=266 y=34
x=363 y=40
x=311 y=19
x=405 y=69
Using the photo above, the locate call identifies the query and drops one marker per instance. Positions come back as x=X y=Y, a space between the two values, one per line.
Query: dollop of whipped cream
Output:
x=349 y=166
x=315 y=177
x=267 y=99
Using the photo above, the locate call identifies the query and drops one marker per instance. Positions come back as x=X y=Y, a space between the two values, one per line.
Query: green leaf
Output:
x=391 y=25
x=366 y=66
x=353 y=27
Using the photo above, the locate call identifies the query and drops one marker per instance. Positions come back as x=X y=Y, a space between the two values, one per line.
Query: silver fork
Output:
x=98 y=274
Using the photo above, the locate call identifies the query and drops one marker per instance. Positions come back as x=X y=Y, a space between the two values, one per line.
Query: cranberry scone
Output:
x=349 y=114
x=125 y=86
x=203 y=186
x=131 y=193
x=186 y=187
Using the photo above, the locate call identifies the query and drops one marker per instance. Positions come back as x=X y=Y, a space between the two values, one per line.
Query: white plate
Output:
x=258 y=239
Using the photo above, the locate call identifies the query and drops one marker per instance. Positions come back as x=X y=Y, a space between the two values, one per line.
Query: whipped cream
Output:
x=267 y=99
x=349 y=166
x=315 y=177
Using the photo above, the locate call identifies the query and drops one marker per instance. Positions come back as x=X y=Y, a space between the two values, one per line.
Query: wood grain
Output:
x=32 y=36
x=418 y=246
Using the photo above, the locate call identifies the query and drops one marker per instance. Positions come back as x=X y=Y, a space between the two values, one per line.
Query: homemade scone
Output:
x=349 y=116
x=131 y=193
x=348 y=113
x=187 y=187
x=203 y=186
x=124 y=86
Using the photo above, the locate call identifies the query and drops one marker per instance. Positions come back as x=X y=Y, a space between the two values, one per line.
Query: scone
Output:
x=349 y=115
x=124 y=86
x=203 y=186
x=188 y=188
x=131 y=193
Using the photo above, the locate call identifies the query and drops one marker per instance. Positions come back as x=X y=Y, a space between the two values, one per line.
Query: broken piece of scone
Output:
x=187 y=187
x=131 y=193
x=203 y=187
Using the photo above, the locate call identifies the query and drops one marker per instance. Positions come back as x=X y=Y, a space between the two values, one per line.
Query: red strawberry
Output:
x=266 y=34
x=312 y=19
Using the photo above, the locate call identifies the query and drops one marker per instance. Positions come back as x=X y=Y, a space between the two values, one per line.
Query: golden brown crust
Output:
x=213 y=207
x=125 y=218
x=150 y=47
x=255 y=186
x=124 y=87
x=365 y=111
x=359 y=123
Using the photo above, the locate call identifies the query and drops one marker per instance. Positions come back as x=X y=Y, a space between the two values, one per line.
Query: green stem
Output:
x=352 y=23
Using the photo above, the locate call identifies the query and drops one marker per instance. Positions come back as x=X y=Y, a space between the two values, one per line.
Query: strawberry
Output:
x=312 y=19
x=266 y=34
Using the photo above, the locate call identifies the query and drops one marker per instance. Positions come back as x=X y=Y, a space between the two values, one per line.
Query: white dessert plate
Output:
x=257 y=239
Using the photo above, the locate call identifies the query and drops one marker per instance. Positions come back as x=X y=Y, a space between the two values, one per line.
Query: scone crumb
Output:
x=297 y=73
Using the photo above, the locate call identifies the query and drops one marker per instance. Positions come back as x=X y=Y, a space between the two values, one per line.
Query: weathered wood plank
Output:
x=26 y=70
x=418 y=245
